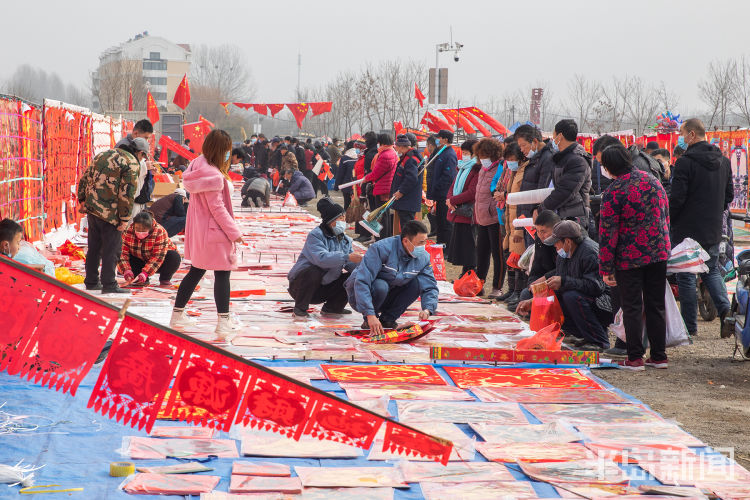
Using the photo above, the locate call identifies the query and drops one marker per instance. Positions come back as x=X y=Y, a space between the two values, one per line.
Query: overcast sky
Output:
x=507 y=45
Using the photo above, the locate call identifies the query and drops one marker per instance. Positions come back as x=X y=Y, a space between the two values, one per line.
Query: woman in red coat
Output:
x=461 y=249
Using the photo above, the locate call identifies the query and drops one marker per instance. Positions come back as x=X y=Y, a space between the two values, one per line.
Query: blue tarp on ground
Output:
x=77 y=449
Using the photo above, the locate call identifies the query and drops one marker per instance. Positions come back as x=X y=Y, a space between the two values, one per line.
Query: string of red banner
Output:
x=151 y=370
x=469 y=119
x=299 y=109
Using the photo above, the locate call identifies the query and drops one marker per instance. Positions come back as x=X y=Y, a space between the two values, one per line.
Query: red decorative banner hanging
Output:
x=241 y=105
x=62 y=361
x=299 y=110
x=166 y=144
x=136 y=375
x=209 y=386
x=449 y=117
x=477 y=124
x=225 y=105
x=261 y=109
x=275 y=108
x=487 y=119
x=318 y=108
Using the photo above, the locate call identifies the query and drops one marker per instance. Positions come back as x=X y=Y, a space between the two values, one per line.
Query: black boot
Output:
x=511 y=287
x=512 y=302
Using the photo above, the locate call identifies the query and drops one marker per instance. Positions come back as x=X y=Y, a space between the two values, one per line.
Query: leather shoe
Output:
x=98 y=286
x=115 y=289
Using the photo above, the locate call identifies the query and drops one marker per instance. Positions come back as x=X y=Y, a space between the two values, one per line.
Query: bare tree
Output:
x=718 y=90
x=741 y=89
x=113 y=81
x=35 y=84
x=224 y=68
x=668 y=100
x=583 y=96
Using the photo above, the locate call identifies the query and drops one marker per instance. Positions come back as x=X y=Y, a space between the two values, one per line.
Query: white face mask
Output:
x=605 y=173
x=486 y=162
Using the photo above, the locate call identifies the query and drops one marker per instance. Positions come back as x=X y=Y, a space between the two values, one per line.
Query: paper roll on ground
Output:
x=528 y=197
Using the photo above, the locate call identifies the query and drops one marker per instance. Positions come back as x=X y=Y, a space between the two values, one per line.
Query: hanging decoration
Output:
x=299 y=110
x=182 y=95
x=318 y=108
x=152 y=110
x=489 y=120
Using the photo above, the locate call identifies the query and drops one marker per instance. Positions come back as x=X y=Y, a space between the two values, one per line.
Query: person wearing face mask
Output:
x=545 y=257
x=580 y=290
x=147 y=250
x=443 y=173
x=394 y=272
x=702 y=189
x=406 y=186
x=571 y=177
x=106 y=193
x=211 y=234
x=317 y=276
x=635 y=246
x=538 y=172
x=11 y=234
x=462 y=248
x=489 y=152
x=514 y=241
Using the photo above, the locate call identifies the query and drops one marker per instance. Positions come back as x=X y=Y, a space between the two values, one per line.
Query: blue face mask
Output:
x=681 y=142
x=339 y=228
x=531 y=154
x=562 y=253
x=226 y=156
x=553 y=145
x=513 y=165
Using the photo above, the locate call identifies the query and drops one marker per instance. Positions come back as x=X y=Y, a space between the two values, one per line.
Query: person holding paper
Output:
x=147 y=250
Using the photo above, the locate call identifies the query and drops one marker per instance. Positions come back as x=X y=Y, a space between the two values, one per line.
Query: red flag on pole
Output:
x=319 y=108
x=197 y=132
x=130 y=99
x=299 y=110
x=275 y=108
x=182 y=96
x=419 y=95
x=487 y=119
x=152 y=110
x=477 y=124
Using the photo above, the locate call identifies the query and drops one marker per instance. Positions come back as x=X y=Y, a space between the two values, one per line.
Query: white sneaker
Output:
x=224 y=329
x=180 y=321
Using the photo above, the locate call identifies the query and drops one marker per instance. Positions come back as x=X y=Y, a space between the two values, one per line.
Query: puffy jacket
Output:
x=289 y=162
x=485 y=208
x=514 y=236
x=345 y=170
x=300 y=187
x=443 y=173
x=467 y=195
x=405 y=180
x=387 y=260
x=537 y=175
x=107 y=186
x=701 y=190
x=327 y=251
x=646 y=163
x=572 y=182
x=580 y=271
x=383 y=169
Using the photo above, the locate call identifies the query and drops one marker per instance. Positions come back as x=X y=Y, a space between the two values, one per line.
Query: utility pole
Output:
x=299 y=73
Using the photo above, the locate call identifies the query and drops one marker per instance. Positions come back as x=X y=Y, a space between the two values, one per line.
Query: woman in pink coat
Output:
x=210 y=231
x=383 y=169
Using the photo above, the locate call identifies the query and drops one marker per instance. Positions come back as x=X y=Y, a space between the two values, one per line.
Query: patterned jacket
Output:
x=151 y=250
x=107 y=187
x=634 y=223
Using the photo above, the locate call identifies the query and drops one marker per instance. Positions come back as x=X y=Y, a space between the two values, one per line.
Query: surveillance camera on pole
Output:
x=439 y=76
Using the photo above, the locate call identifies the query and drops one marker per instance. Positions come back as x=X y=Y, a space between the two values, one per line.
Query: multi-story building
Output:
x=144 y=62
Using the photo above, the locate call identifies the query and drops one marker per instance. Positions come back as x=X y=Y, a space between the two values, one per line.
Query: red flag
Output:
x=196 y=132
x=488 y=119
x=182 y=96
x=398 y=127
x=152 y=111
x=477 y=124
x=261 y=109
x=299 y=110
x=130 y=99
x=225 y=105
x=438 y=121
x=419 y=95
x=318 y=108
x=275 y=108
x=242 y=105
x=450 y=116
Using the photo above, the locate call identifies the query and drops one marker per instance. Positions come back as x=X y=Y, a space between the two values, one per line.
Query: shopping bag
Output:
x=545 y=310
x=687 y=257
x=677 y=333
x=527 y=258
x=546 y=339
x=513 y=260
x=290 y=201
x=436 y=259
x=468 y=285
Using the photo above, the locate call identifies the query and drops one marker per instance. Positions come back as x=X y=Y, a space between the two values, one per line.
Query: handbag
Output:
x=465 y=210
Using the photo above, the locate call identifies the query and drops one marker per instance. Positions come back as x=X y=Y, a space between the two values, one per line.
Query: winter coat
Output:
x=299 y=153
x=210 y=229
x=537 y=175
x=370 y=153
x=107 y=186
x=485 y=212
x=300 y=187
x=345 y=171
x=260 y=150
x=702 y=189
x=308 y=159
x=327 y=251
x=572 y=182
x=580 y=271
x=172 y=205
x=544 y=262
x=406 y=181
x=633 y=223
x=514 y=239
x=288 y=162
x=646 y=163
x=467 y=195
x=387 y=260
x=443 y=173
x=334 y=154
x=383 y=169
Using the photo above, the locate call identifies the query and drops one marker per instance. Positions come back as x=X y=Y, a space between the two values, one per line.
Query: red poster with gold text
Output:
x=416 y=374
x=570 y=378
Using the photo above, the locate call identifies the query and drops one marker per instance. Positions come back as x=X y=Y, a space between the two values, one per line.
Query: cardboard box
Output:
x=164 y=188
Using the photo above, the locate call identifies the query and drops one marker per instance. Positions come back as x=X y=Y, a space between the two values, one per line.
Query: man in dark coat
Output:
x=701 y=190
x=443 y=172
x=407 y=184
x=538 y=172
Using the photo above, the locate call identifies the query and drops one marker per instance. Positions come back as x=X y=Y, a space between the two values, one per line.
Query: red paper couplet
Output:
x=139 y=367
x=276 y=404
x=67 y=341
x=22 y=301
x=209 y=385
x=346 y=424
x=405 y=441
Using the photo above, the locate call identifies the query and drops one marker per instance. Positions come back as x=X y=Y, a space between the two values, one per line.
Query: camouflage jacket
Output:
x=107 y=186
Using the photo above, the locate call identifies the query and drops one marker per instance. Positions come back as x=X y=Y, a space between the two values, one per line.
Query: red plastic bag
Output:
x=545 y=310
x=513 y=260
x=290 y=201
x=468 y=285
x=545 y=339
x=436 y=259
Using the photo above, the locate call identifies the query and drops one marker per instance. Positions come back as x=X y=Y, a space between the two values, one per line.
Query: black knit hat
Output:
x=329 y=211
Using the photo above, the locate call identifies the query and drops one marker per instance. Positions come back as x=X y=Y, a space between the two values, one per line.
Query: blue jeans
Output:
x=391 y=302
x=581 y=319
x=686 y=283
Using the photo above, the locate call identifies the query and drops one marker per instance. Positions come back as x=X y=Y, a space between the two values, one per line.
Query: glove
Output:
x=128 y=275
x=141 y=278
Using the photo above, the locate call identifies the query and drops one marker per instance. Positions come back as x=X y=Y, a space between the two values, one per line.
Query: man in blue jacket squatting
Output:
x=393 y=273
x=317 y=276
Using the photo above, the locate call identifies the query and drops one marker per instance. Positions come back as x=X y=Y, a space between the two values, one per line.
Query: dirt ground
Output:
x=704 y=389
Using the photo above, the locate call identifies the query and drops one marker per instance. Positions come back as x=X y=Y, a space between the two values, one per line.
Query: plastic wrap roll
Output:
x=529 y=197
x=523 y=222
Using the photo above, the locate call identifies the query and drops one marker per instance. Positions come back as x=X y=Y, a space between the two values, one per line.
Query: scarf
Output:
x=464 y=168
